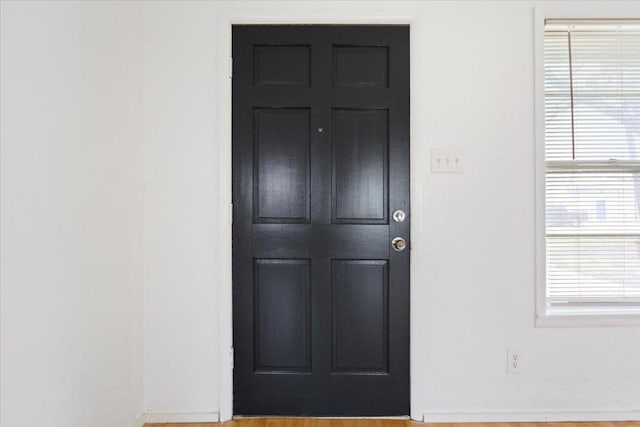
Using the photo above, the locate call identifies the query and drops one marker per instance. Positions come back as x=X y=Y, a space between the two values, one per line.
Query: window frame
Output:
x=613 y=11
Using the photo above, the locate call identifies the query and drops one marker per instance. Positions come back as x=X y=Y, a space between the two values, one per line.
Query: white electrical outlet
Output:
x=446 y=161
x=514 y=361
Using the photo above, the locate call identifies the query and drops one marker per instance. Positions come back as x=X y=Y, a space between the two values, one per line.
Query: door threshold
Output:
x=346 y=417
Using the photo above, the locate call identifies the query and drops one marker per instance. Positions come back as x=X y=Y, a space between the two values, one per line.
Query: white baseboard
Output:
x=182 y=417
x=428 y=417
x=140 y=420
x=488 y=417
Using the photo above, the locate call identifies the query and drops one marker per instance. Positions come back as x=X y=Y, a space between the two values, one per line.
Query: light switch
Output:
x=446 y=161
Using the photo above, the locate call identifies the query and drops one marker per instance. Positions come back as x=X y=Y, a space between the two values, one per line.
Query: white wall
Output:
x=473 y=234
x=71 y=214
x=181 y=272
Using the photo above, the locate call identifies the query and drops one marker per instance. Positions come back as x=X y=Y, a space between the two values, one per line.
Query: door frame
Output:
x=310 y=14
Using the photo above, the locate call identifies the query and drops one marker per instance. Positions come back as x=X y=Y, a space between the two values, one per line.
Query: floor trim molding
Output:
x=140 y=420
x=182 y=417
x=461 y=417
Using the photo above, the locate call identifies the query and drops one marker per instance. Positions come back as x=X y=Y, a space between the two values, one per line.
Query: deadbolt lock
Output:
x=398 y=215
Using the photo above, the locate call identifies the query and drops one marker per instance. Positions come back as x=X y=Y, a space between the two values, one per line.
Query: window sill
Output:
x=587 y=320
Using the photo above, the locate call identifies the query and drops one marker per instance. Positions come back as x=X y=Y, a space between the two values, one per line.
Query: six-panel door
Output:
x=320 y=161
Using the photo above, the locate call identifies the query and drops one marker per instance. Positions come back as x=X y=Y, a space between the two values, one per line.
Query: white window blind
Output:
x=592 y=162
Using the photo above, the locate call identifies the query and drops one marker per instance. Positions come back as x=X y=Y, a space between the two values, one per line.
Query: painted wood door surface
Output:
x=320 y=163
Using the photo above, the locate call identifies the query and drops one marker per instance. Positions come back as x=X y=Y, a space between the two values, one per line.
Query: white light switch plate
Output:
x=446 y=161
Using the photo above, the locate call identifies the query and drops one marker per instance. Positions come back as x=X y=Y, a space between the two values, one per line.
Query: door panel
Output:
x=282 y=65
x=360 y=66
x=282 y=304
x=320 y=161
x=360 y=313
x=282 y=180
x=360 y=147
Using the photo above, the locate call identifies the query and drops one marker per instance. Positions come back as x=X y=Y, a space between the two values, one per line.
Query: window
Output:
x=592 y=167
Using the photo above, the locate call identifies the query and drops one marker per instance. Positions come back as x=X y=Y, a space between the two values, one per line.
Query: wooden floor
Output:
x=319 y=422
